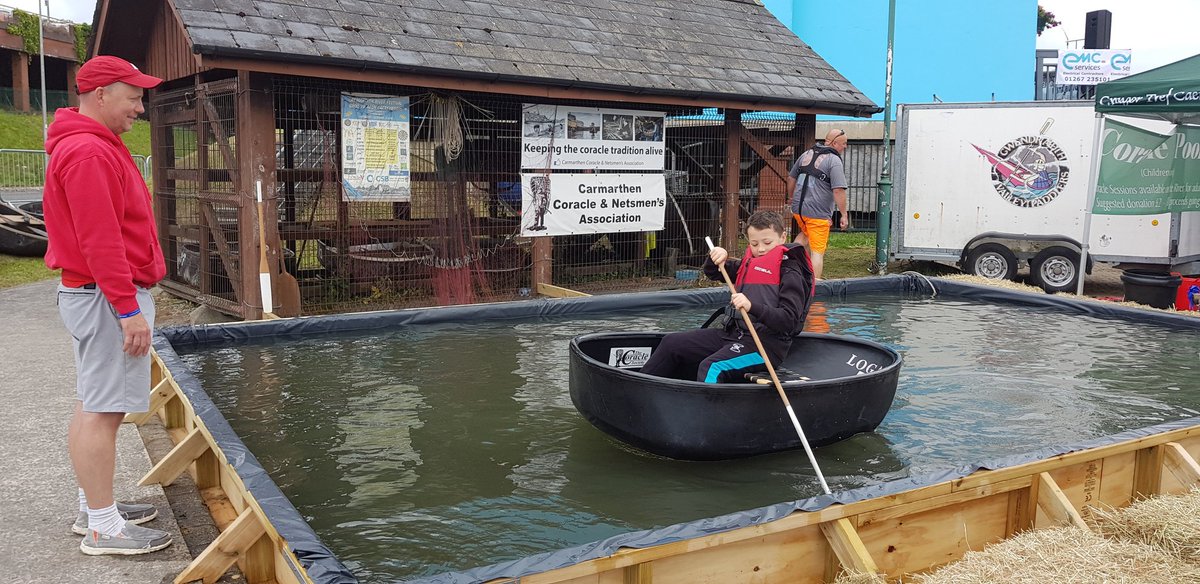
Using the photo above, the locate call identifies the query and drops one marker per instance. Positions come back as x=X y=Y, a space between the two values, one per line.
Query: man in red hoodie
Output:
x=100 y=221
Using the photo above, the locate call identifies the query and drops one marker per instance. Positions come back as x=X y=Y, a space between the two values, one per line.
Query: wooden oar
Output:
x=264 y=271
x=775 y=378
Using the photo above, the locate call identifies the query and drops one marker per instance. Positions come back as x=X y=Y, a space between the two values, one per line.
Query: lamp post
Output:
x=883 y=204
x=42 y=65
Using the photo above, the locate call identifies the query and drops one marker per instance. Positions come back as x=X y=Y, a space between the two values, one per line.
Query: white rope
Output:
x=450 y=134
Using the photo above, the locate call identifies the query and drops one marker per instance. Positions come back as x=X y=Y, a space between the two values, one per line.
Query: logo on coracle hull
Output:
x=1029 y=171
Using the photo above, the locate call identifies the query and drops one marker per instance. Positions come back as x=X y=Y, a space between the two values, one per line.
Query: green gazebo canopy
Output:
x=1170 y=92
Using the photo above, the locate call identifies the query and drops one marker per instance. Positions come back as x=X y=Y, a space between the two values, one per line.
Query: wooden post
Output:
x=165 y=215
x=1147 y=471
x=72 y=97
x=733 y=182
x=20 y=81
x=543 y=262
x=851 y=553
x=256 y=162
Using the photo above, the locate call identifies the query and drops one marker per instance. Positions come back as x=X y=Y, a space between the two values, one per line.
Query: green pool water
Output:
x=417 y=451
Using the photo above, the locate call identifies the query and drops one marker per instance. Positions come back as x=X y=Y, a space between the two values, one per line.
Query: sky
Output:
x=1157 y=31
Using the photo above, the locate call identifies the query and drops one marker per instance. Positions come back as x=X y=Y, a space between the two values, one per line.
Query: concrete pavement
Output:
x=38 y=499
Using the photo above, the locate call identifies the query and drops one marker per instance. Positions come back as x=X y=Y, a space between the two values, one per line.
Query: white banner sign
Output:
x=375 y=163
x=582 y=138
x=1091 y=66
x=566 y=204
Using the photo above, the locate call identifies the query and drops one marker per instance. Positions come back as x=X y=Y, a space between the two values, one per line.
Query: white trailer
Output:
x=991 y=187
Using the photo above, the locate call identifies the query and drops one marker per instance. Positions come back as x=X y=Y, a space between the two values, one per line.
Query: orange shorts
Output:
x=817 y=231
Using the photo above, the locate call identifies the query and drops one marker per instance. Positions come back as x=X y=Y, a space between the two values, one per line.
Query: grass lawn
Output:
x=15 y=271
x=24 y=132
x=849 y=255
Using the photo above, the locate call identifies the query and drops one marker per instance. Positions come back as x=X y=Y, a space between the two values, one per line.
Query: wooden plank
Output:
x=1148 y=471
x=258 y=563
x=1181 y=465
x=939 y=501
x=848 y=547
x=733 y=179
x=1055 y=504
x=159 y=395
x=1021 y=511
x=1116 y=479
x=241 y=535
x=208 y=470
x=639 y=574
x=558 y=292
x=916 y=542
x=177 y=460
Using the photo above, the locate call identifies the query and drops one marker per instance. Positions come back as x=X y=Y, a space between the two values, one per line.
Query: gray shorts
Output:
x=107 y=379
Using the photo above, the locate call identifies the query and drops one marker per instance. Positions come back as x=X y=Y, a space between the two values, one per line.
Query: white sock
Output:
x=82 y=502
x=107 y=521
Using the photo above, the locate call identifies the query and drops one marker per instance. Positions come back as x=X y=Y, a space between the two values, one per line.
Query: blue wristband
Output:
x=129 y=314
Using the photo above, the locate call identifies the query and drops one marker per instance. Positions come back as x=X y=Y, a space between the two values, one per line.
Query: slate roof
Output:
x=726 y=49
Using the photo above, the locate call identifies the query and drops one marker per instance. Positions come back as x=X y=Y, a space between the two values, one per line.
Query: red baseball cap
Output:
x=106 y=69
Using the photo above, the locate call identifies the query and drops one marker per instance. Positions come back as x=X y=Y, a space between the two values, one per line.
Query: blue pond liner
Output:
x=322 y=564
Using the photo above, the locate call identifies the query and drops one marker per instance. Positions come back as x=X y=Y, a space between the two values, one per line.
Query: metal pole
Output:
x=1093 y=180
x=883 y=205
x=42 y=64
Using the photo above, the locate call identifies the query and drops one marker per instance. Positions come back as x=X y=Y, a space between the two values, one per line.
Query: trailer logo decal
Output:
x=1029 y=171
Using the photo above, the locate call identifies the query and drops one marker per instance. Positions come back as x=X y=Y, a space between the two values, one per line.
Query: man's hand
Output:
x=137 y=335
x=844 y=223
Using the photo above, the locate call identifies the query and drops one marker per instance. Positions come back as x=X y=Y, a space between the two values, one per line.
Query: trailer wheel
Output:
x=992 y=261
x=1055 y=269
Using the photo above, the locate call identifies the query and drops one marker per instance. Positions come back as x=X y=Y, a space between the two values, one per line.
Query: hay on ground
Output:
x=1168 y=522
x=1063 y=555
x=856 y=578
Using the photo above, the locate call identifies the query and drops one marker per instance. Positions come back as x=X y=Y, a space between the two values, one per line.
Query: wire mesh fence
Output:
x=27 y=168
x=456 y=236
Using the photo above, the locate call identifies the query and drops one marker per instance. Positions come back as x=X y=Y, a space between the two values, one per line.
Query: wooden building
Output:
x=254 y=93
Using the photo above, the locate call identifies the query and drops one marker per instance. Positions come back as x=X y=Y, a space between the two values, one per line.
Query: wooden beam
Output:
x=848 y=547
x=557 y=292
x=638 y=574
x=1022 y=510
x=1147 y=471
x=256 y=164
x=434 y=81
x=241 y=535
x=1181 y=465
x=543 y=261
x=159 y=396
x=1055 y=505
x=177 y=460
x=733 y=180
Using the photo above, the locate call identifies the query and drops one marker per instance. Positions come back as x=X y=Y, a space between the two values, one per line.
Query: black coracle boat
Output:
x=838 y=386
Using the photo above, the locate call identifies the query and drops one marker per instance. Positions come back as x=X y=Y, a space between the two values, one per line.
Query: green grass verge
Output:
x=15 y=271
x=849 y=255
x=24 y=132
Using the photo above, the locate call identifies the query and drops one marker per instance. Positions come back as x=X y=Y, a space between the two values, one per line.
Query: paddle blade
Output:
x=287 y=294
x=708 y=240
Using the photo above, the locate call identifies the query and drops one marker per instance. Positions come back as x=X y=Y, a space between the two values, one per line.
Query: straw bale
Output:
x=1170 y=523
x=1064 y=555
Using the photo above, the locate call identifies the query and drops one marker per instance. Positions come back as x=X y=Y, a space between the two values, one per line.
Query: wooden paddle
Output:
x=264 y=270
x=775 y=378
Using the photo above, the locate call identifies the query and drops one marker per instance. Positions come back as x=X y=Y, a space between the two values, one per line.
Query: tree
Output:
x=1046 y=20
